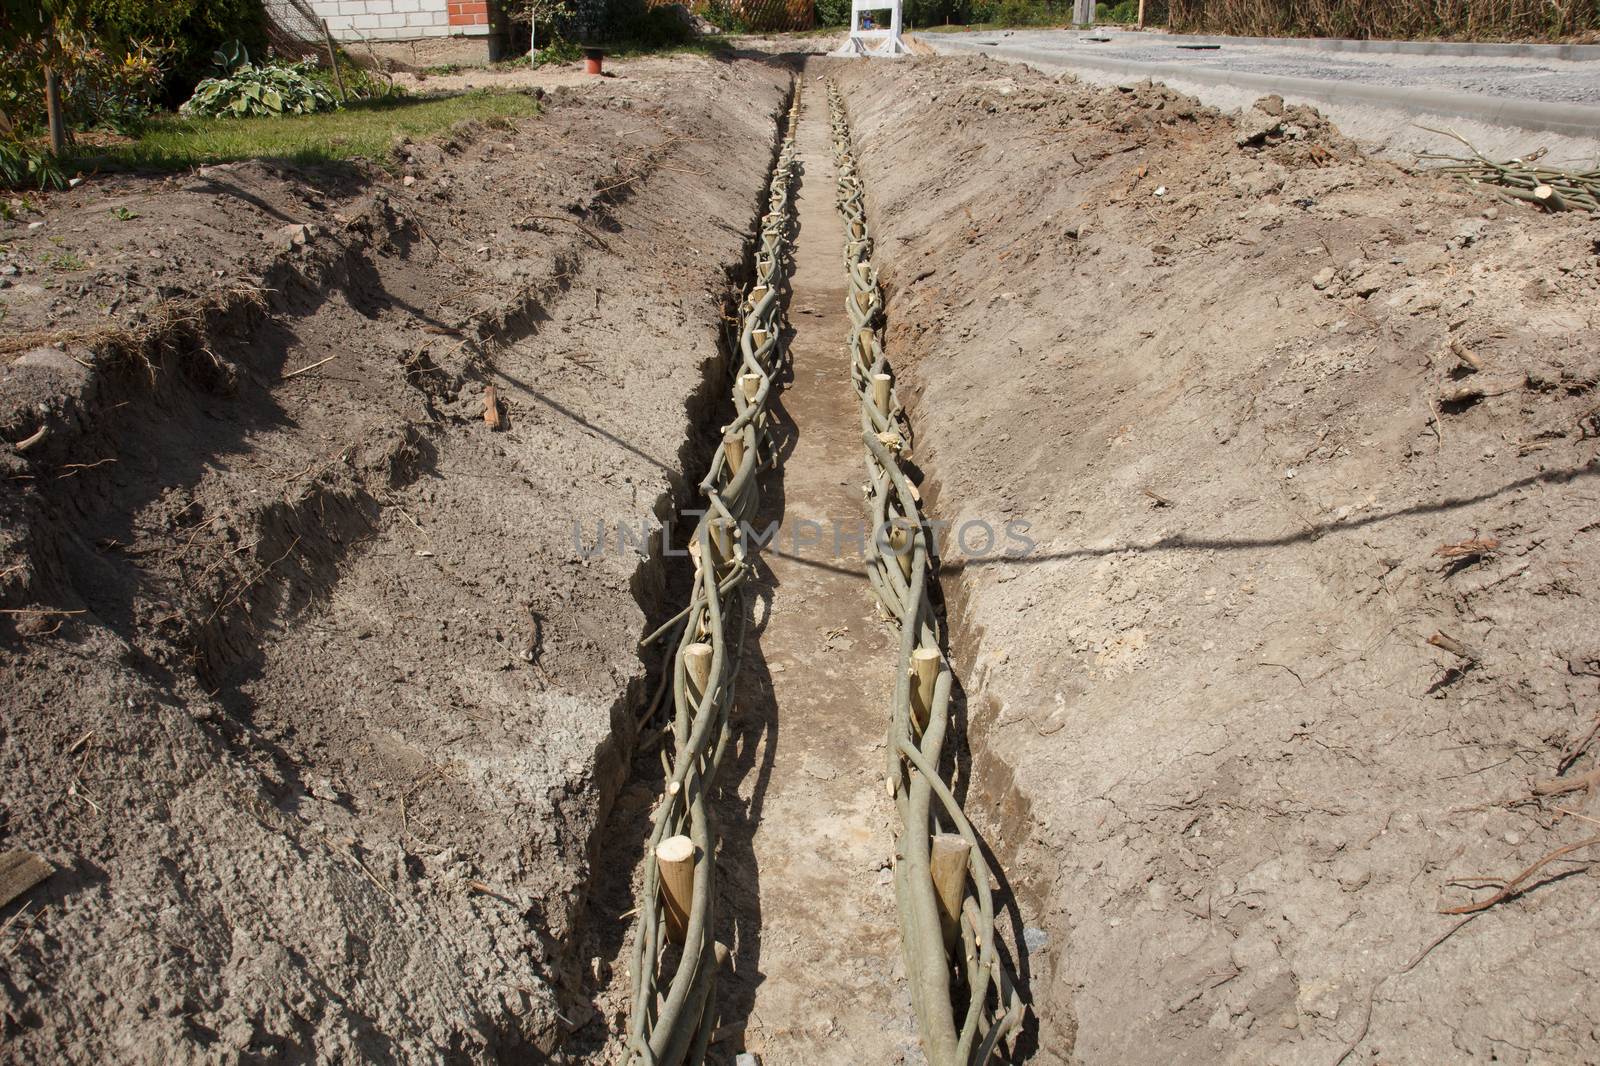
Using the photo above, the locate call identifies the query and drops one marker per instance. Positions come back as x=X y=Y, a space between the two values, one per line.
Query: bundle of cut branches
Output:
x=1545 y=187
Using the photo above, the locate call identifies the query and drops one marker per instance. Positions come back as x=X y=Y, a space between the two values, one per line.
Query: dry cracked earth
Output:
x=320 y=714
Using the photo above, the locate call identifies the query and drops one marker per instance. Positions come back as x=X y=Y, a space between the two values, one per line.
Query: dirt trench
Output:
x=318 y=701
x=1303 y=653
x=806 y=904
x=313 y=698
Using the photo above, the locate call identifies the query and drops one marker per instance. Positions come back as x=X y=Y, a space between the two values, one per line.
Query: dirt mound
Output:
x=312 y=698
x=1307 y=445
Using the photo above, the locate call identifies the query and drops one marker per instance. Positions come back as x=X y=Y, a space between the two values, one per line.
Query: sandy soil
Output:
x=310 y=697
x=319 y=711
x=1247 y=386
x=804 y=900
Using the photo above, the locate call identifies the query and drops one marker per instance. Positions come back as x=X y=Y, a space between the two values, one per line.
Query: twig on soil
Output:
x=1473 y=547
x=585 y=230
x=1513 y=887
x=72 y=469
x=231 y=600
x=1571 y=753
x=1366 y=1018
x=1443 y=640
x=1558 y=787
x=1292 y=673
x=313 y=366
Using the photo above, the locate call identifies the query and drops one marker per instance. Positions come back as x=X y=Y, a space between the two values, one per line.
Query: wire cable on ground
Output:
x=962 y=987
x=675 y=958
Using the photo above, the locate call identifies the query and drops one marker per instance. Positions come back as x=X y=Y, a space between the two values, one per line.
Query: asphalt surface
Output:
x=1376 y=96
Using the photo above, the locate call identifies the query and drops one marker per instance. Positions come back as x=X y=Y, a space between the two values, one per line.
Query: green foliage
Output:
x=192 y=30
x=22 y=166
x=248 y=89
x=113 y=87
x=1019 y=12
x=559 y=50
x=655 y=27
x=1125 y=11
x=835 y=12
x=730 y=16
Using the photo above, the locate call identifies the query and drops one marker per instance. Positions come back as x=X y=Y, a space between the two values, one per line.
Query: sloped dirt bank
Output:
x=311 y=696
x=1277 y=415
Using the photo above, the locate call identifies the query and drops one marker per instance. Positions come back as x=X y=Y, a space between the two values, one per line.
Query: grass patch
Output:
x=366 y=129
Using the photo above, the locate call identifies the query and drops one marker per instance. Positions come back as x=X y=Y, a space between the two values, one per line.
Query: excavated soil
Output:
x=318 y=706
x=311 y=698
x=1254 y=395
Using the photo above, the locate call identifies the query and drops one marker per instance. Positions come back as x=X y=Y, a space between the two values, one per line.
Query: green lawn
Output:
x=367 y=129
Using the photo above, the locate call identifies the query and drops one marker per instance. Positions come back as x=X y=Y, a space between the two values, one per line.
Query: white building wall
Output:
x=388 y=20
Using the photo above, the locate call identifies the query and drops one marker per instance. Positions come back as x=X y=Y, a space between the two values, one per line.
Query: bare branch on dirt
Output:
x=1514 y=887
x=1471 y=548
x=313 y=366
x=585 y=230
x=32 y=439
x=19 y=872
x=1574 y=750
x=1558 y=787
x=1366 y=1018
x=1441 y=639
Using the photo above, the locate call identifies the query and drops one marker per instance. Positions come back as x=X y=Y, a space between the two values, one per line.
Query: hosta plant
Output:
x=249 y=89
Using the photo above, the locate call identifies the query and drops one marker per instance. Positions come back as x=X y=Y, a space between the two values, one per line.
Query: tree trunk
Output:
x=52 y=106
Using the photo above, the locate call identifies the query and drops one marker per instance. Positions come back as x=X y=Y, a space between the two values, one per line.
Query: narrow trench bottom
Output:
x=805 y=894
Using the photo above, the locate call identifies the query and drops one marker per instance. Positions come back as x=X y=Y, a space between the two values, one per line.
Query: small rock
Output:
x=294 y=235
x=885 y=876
x=1491 y=212
x=1034 y=938
x=1468 y=232
x=1322 y=278
x=408 y=181
x=322 y=788
x=1257 y=127
x=9 y=270
x=1272 y=105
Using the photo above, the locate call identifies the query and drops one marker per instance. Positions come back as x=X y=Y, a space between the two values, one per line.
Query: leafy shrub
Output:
x=1125 y=11
x=559 y=50
x=1019 y=12
x=189 y=30
x=23 y=166
x=247 y=89
x=837 y=12
x=101 y=85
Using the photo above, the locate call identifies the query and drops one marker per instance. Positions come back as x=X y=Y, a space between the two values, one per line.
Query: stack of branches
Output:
x=1519 y=179
x=955 y=963
x=675 y=958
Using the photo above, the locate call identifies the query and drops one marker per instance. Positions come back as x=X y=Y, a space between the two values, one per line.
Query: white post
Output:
x=879 y=40
x=1084 y=13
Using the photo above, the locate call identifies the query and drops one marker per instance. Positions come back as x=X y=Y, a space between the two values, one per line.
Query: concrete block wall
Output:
x=403 y=20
